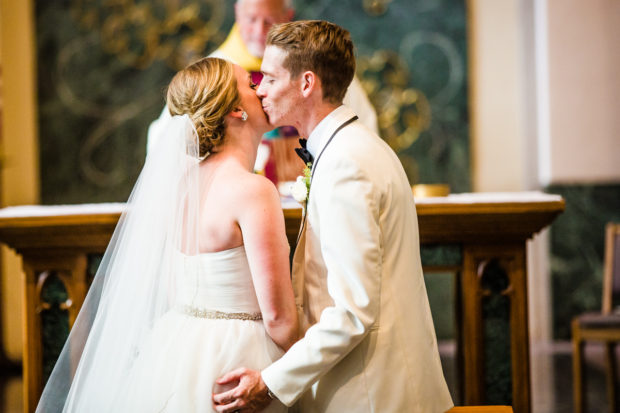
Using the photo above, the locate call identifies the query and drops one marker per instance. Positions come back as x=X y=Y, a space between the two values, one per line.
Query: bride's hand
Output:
x=250 y=395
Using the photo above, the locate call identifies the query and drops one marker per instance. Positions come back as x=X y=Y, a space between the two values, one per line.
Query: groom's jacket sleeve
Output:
x=348 y=210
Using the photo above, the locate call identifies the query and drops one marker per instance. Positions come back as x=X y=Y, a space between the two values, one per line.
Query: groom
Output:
x=369 y=343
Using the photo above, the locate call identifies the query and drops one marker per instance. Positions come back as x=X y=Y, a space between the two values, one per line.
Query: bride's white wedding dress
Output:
x=214 y=326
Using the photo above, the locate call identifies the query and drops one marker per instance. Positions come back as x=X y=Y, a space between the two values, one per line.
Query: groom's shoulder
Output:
x=361 y=154
x=358 y=141
x=361 y=132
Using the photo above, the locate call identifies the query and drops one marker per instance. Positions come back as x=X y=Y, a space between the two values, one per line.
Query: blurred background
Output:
x=481 y=95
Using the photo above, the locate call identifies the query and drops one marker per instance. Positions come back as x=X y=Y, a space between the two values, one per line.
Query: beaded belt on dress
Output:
x=219 y=315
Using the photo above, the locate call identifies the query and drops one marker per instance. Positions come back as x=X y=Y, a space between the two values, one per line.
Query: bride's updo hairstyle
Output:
x=206 y=91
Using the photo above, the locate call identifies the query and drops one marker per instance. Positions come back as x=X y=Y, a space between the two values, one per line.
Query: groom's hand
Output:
x=250 y=395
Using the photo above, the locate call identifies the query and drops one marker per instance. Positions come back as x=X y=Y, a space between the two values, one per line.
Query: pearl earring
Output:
x=244 y=116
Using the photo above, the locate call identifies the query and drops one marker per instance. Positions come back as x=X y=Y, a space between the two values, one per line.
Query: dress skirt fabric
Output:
x=177 y=368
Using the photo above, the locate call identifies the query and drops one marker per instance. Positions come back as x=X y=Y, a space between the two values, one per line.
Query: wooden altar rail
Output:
x=487 y=227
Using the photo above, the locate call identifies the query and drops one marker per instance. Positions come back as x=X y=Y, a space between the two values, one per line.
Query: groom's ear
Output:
x=309 y=83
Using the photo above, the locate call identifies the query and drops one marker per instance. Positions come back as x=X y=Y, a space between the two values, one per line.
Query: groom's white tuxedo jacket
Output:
x=370 y=344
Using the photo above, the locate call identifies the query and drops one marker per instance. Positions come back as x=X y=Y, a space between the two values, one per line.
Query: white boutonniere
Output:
x=301 y=188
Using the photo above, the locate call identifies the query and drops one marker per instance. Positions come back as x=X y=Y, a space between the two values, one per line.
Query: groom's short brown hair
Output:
x=321 y=47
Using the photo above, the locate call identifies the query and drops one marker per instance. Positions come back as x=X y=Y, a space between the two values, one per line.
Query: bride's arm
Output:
x=262 y=226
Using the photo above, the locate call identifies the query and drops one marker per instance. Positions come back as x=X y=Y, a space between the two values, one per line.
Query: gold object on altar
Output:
x=430 y=190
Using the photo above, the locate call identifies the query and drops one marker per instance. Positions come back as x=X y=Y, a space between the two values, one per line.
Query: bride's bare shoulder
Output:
x=258 y=201
x=256 y=186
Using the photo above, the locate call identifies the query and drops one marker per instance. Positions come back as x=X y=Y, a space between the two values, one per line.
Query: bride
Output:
x=195 y=281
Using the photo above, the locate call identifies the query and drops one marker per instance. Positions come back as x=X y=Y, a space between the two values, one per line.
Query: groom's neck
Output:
x=314 y=115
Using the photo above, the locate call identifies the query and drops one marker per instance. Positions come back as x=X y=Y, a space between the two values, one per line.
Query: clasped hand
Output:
x=250 y=394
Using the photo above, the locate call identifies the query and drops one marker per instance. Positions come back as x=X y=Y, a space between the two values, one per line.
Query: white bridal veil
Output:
x=135 y=283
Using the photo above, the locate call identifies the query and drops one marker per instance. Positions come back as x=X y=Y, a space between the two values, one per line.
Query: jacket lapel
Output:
x=314 y=167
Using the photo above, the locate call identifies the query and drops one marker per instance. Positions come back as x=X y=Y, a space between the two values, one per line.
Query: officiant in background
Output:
x=245 y=45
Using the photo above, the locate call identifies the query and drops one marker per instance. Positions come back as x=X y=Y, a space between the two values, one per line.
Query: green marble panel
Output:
x=54 y=322
x=577 y=250
x=496 y=325
x=94 y=261
x=440 y=288
x=441 y=255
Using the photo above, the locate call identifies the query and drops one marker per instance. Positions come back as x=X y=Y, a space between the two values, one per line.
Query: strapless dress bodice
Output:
x=218 y=281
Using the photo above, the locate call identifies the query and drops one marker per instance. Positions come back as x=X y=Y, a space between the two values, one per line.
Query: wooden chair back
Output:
x=611 y=270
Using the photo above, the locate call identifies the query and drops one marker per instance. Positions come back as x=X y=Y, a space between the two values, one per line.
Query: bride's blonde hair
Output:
x=206 y=91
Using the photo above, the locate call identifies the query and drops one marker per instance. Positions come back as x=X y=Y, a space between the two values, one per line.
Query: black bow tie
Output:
x=303 y=153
